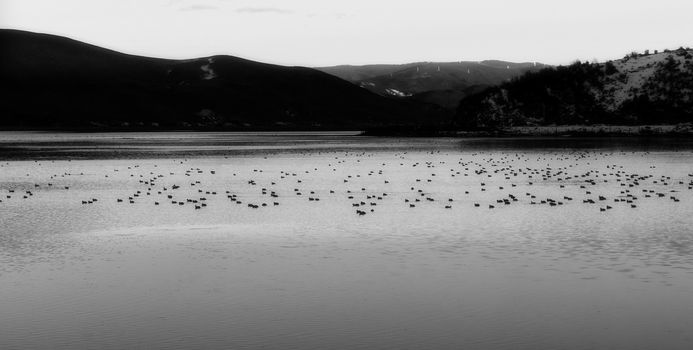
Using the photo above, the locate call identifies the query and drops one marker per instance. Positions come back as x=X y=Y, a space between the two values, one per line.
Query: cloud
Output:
x=199 y=8
x=260 y=10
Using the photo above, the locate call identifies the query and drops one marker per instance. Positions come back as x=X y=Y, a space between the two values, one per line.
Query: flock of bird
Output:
x=365 y=180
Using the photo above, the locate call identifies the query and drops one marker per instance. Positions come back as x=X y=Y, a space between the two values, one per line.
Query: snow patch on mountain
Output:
x=397 y=93
x=207 y=72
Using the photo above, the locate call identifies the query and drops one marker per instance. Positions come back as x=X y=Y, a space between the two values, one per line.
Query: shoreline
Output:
x=669 y=130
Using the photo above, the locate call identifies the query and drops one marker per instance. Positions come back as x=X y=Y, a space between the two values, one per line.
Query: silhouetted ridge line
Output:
x=51 y=82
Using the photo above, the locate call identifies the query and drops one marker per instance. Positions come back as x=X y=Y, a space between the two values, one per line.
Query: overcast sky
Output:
x=325 y=32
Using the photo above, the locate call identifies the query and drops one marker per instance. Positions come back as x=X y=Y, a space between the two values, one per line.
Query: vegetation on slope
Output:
x=639 y=89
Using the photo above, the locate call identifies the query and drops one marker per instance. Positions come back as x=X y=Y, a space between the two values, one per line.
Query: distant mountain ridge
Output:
x=648 y=88
x=55 y=82
x=441 y=83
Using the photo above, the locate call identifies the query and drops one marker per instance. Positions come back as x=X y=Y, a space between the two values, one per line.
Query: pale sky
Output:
x=325 y=32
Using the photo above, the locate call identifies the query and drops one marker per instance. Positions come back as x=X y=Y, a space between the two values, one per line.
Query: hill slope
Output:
x=638 y=89
x=356 y=74
x=442 y=83
x=55 y=82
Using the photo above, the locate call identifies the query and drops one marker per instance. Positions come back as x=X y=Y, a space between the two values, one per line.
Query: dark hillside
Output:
x=54 y=82
x=639 y=89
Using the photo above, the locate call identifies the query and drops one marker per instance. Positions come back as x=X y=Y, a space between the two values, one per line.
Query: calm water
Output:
x=608 y=265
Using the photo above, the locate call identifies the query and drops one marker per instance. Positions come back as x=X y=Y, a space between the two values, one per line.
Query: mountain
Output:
x=55 y=82
x=644 y=88
x=356 y=74
x=441 y=83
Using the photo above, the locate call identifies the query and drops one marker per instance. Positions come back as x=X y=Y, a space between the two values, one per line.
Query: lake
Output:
x=331 y=240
